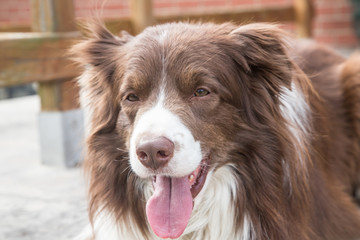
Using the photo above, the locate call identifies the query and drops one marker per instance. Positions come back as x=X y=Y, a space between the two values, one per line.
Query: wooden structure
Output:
x=38 y=56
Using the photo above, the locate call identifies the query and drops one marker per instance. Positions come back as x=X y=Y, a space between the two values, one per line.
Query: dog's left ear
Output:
x=261 y=52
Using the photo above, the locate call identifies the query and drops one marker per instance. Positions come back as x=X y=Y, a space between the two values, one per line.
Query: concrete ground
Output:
x=37 y=202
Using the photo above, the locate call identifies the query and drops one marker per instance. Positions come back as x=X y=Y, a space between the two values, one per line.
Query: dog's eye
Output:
x=132 y=97
x=201 y=92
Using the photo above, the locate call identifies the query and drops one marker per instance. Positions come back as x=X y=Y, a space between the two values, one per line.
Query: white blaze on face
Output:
x=160 y=122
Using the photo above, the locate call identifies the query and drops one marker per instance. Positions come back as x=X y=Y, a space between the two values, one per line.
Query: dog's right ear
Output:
x=99 y=56
x=99 y=48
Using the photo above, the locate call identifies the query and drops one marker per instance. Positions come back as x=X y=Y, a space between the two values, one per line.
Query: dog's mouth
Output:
x=196 y=178
x=170 y=207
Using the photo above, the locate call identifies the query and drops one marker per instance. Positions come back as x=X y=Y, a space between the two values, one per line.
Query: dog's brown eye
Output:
x=132 y=98
x=201 y=92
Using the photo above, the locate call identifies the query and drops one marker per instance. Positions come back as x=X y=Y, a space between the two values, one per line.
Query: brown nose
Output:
x=155 y=153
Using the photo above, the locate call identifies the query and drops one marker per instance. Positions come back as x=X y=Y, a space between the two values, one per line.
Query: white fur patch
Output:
x=162 y=37
x=106 y=228
x=160 y=122
x=296 y=111
x=214 y=213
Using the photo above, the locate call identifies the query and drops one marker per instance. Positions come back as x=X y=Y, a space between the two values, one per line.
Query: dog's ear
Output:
x=260 y=51
x=99 y=56
x=262 y=69
x=100 y=46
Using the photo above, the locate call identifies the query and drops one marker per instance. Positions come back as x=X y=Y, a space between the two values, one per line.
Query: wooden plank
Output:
x=238 y=15
x=35 y=57
x=25 y=45
x=15 y=28
x=284 y=13
x=115 y=25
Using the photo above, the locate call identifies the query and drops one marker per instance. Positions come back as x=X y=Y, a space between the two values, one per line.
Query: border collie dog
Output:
x=208 y=132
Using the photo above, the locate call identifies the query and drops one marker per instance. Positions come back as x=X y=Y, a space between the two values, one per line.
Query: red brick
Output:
x=188 y=4
x=347 y=39
x=337 y=24
x=214 y=3
x=326 y=10
x=243 y=2
x=167 y=4
x=273 y=2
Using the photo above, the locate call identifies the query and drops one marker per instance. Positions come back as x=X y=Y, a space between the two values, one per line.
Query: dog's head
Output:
x=174 y=104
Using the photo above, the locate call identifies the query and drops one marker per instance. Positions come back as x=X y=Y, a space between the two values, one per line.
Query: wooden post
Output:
x=61 y=120
x=141 y=14
x=304 y=13
x=54 y=16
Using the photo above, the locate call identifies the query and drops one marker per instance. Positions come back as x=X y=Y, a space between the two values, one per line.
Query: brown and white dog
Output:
x=204 y=131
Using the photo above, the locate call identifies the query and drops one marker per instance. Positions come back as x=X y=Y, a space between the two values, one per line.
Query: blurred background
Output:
x=42 y=189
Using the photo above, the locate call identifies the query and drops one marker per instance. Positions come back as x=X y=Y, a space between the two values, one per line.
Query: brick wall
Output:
x=14 y=11
x=332 y=25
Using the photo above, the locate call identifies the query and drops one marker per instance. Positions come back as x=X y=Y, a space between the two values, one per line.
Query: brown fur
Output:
x=247 y=68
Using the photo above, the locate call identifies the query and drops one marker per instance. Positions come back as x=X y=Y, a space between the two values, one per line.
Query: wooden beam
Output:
x=141 y=14
x=284 y=13
x=35 y=57
x=55 y=16
x=237 y=15
x=52 y=15
x=304 y=13
x=15 y=28
x=119 y=24
x=58 y=96
x=113 y=25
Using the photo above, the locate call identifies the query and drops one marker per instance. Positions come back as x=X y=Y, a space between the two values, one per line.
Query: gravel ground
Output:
x=37 y=202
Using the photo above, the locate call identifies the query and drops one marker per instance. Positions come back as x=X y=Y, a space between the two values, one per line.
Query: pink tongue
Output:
x=169 y=209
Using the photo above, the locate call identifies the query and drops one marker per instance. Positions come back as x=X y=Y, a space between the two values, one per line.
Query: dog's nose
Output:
x=155 y=153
